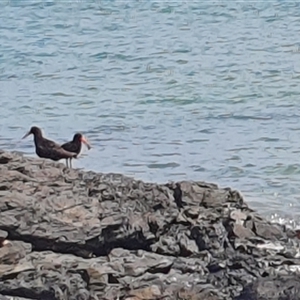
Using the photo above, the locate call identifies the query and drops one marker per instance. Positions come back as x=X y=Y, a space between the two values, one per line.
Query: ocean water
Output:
x=163 y=90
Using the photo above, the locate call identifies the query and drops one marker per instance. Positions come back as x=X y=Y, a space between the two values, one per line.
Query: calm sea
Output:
x=195 y=90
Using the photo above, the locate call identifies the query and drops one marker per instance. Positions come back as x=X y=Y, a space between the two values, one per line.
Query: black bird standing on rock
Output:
x=178 y=196
x=45 y=148
x=75 y=145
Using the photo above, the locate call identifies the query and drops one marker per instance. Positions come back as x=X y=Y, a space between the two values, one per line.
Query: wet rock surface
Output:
x=70 y=234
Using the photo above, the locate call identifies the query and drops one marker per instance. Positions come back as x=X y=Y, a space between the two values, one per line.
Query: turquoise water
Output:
x=163 y=90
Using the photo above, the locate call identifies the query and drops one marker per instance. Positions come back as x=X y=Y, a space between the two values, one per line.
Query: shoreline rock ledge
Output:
x=71 y=234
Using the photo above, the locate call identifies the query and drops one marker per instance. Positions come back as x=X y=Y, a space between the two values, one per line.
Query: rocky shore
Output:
x=75 y=235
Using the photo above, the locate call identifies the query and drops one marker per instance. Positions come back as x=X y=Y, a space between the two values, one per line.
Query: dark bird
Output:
x=45 y=148
x=177 y=194
x=75 y=145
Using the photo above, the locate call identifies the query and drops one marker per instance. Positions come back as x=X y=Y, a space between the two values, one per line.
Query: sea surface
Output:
x=181 y=90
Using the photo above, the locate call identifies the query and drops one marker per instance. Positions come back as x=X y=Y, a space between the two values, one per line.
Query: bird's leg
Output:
x=71 y=163
x=67 y=162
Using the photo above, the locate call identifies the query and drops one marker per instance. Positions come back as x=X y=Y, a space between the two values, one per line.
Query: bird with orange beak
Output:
x=75 y=145
x=45 y=148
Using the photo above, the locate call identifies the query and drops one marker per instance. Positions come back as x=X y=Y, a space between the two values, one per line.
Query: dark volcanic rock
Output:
x=69 y=234
x=279 y=287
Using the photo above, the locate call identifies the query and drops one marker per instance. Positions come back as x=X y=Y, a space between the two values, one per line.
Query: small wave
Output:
x=163 y=166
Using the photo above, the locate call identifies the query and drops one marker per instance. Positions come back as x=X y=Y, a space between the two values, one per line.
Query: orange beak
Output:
x=83 y=140
x=26 y=135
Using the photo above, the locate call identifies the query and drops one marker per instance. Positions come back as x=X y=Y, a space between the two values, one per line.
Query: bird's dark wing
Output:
x=72 y=147
x=50 y=144
x=67 y=145
x=55 y=149
x=55 y=153
x=60 y=152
